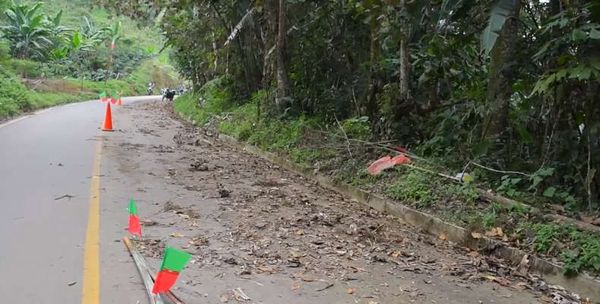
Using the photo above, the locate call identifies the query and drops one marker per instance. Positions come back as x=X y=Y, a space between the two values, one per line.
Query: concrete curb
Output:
x=583 y=284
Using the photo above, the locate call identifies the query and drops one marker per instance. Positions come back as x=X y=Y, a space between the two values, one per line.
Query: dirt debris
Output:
x=188 y=213
x=281 y=238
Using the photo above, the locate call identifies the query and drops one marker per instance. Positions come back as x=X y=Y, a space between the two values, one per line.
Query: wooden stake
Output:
x=147 y=277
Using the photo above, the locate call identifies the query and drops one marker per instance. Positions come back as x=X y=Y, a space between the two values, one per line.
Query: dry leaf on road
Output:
x=476 y=235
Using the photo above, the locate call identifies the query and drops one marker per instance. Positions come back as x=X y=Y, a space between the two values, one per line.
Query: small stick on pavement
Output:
x=329 y=285
x=64 y=196
x=240 y=293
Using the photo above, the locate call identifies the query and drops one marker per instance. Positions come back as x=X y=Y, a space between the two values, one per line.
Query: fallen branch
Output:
x=345 y=135
x=483 y=193
x=146 y=275
x=499 y=171
x=239 y=26
x=143 y=270
x=507 y=202
x=329 y=285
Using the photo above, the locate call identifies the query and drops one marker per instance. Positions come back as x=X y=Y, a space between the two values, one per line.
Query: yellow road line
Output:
x=90 y=293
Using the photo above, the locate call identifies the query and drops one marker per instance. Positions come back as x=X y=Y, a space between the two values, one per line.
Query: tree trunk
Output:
x=216 y=53
x=404 y=58
x=501 y=75
x=371 y=106
x=404 y=69
x=269 y=42
x=282 y=98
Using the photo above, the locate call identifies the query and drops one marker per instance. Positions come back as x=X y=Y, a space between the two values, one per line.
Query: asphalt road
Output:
x=47 y=165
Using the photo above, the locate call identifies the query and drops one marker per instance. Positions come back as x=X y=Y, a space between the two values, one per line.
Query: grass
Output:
x=212 y=100
x=414 y=188
x=216 y=101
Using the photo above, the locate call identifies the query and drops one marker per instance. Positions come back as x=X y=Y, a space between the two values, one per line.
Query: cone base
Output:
x=108 y=130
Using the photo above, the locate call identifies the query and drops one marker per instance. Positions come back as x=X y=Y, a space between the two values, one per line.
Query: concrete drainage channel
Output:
x=582 y=284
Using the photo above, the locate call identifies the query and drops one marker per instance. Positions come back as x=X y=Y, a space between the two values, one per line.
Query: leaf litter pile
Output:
x=261 y=234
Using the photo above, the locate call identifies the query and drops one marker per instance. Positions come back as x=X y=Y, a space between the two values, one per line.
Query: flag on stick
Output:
x=103 y=97
x=134 y=221
x=173 y=263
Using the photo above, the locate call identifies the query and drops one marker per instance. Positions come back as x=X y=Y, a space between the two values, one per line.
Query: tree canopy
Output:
x=510 y=85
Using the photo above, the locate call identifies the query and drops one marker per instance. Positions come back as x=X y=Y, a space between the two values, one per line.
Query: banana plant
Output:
x=114 y=33
x=500 y=11
x=91 y=33
x=27 y=31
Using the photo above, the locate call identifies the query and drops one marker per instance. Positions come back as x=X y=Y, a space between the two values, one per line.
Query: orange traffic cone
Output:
x=119 y=101
x=107 y=126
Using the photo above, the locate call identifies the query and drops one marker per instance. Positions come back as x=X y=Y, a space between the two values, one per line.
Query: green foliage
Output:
x=490 y=217
x=152 y=70
x=30 y=32
x=14 y=97
x=241 y=123
x=509 y=186
x=81 y=42
x=54 y=47
x=414 y=188
x=518 y=209
x=465 y=192
x=24 y=68
x=573 y=32
x=212 y=99
x=545 y=235
x=500 y=12
x=586 y=256
x=420 y=81
x=578 y=250
x=539 y=176
x=357 y=128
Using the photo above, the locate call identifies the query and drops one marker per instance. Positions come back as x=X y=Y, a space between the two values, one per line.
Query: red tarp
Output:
x=387 y=162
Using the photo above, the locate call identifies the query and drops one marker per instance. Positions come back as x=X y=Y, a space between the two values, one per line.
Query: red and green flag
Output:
x=173 y=263
x=114 y=98
x=103 y=97
x=134 y=221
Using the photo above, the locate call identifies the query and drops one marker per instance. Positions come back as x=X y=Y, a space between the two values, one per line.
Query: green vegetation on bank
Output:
x=55 y=52
x=502 y=90
x=17 y=98
x=327 y=150
x=507 y=85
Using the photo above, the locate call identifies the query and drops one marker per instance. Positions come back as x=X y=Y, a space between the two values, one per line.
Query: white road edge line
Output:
x=10 y=122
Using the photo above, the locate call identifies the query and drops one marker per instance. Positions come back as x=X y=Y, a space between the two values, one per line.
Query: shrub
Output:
x=14 y=96
x=25 y=68
x=414 y=188
x=357 y=127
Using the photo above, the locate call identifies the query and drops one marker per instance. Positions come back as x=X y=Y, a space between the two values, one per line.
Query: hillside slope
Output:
x=135 y=61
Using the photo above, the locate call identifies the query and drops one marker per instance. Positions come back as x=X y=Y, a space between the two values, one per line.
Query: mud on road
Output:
x=261 y=234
